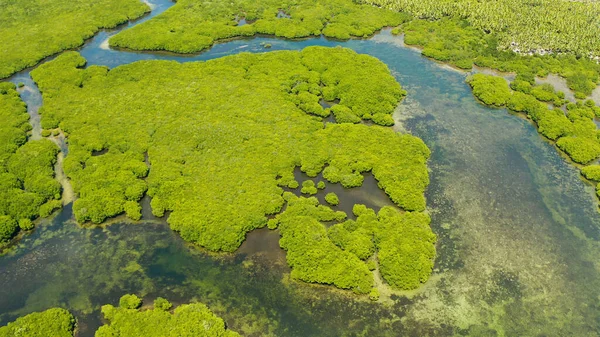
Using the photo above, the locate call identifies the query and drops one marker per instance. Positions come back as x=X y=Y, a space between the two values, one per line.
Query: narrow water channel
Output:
x=518 y=230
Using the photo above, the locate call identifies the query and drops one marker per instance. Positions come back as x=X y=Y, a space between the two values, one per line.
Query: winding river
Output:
x=518 y=251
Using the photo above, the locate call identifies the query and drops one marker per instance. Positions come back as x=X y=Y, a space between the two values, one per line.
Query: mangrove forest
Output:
x=299 y=168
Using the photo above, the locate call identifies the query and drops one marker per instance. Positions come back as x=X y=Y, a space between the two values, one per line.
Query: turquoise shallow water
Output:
x=518 y=232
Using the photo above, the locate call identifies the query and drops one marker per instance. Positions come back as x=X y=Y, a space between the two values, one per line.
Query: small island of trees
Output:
x=126 y=320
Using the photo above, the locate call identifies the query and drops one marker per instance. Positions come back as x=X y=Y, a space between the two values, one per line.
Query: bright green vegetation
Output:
x=187 y=320
x=332 y=199
x=546 y=93
x=374 y=294
x=405 y=246
x=27 y=185
x=542 y=92
x=456 y=42
x=308 y=187
x=556 y=25
x=447 y=40
x=312 y=256
x=33 y=29
x=52 y=322
x=130 y=302
x=344 y=115
x=126 y=321
x=162 y=304
x=354 y=238
x=253 y=114
x=574 y=132
x=337 y=255
x=491 y=90
x=191 y=26
x=591 y=172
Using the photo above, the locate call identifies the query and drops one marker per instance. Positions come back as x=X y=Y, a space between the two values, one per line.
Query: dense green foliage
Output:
x=50 y=323
x=374 y=294
x=308 y=187
x=447 y=40
x=353 y=237
x=311 y=255
x=555 y=25
x=33 y=29
x=575 y=132
x=344 y=115
x=491 y=90
x=192 y=25
x=405 y=246
x=130 y=301
x=332 y=199
x=591 y=172
x=15 y=122
x=456 y=42
x=404 y=243
x=162 y=304
x=27 y=185
x=223 y=136
x=187 y=320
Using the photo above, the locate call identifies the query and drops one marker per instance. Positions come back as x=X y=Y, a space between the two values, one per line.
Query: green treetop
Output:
x=192 y=25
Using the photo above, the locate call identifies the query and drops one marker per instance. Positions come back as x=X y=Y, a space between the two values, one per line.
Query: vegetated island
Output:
x=192 y=26
x=214 y=143
x=126 y=320
x=55 y=322
x=31 y=30
x=186 y=320
x=27 y=185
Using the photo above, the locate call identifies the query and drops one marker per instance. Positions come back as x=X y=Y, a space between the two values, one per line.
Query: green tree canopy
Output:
x=223 y=137
x=187 y=320
x=27 y=184
x=53 y=322
x=192 y=25
x=30 y=30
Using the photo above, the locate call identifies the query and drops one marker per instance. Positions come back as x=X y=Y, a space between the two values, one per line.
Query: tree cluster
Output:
x=192 y=26
x=53 y=322
x=454 y=41
x=341 y=254
x=27 y=185
x=31 y=30
x=127 y=320
x=525 y=26
x=186 y=320
x=214 y=142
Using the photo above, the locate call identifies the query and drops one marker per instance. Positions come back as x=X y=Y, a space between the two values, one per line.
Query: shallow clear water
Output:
x=518 y=232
